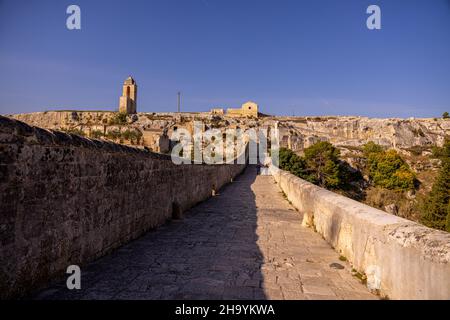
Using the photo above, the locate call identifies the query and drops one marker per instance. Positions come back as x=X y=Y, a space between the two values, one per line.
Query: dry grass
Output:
x=379 y=198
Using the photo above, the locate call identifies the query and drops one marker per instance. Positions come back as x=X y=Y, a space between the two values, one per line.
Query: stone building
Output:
x=248 y=109
x=128 y=100
x=218 y=111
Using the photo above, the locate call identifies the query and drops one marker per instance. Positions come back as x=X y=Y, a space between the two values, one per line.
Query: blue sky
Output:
x=297 y=57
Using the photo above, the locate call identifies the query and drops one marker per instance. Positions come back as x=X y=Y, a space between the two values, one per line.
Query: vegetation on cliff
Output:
x=320 y=165
x=119 y=118
x=293 y=163
x=389 y=181
x=134 y=136
x=323 y=167
x=73 y=131
x=387 y=169
x=96 y=134
x=436 y=205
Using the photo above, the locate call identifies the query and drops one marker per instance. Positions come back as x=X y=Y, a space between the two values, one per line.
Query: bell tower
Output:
x=128 y=100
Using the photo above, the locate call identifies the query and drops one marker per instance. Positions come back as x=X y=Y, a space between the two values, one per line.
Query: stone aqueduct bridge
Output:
x=69 y=200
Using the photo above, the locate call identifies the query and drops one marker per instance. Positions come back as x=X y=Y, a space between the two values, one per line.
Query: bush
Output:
x=387 y=169
x=436 y=206
x=118 y=119
x=320 y=165
x=371 y=147
x=113 y=135
x=74 y=131
x=447 y=221
x=291 y=162
x=132 y=135
x=96 y=134
x=441 y=152
x=323 y=165
x=445 y=115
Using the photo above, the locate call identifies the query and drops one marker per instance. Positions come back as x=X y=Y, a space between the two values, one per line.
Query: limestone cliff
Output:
x=295 y=132
x=355 y=131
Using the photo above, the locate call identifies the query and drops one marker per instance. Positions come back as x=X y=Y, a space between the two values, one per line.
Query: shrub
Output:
x=118 y=119
x=441 y=152
x=372 y=147
x=96 y=134
x=322 y=161
x=291 y=162
x=132 y=135
x=445 y=115
x=113 y=135
x=447 y=221
x=436 y=206
x=320 y=165
x=388 y=170
x=74 y=131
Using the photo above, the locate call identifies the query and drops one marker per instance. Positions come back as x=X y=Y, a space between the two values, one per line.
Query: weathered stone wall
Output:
x=67 y=200
x=401 y=259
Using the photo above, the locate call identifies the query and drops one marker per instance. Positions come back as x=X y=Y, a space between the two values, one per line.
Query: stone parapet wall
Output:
x=400 y=258
x=68 y=200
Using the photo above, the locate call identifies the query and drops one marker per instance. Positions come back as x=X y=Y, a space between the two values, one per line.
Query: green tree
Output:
x=134 y=136
x=436 y=206
x=113 y=135
x=447 y=221
x=323 y=167
x=119 y=118
x=388 y=170
x=291 y=162
x=372 y=147
x=445 y=115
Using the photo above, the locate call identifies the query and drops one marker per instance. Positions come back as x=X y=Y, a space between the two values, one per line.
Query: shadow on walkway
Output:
x=211 y=254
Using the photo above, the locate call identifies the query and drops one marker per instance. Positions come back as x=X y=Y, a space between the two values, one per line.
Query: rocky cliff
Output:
x=295 y=132
x=355 y=131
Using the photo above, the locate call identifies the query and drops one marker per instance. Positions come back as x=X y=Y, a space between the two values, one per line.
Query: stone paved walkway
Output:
x=245 y=243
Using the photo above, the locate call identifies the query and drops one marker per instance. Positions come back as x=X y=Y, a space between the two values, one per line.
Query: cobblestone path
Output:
x=245 y=243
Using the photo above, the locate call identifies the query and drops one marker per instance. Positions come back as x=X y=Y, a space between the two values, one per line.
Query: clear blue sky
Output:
x=297 y=57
